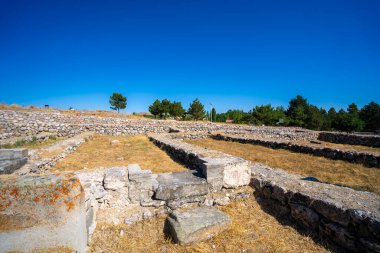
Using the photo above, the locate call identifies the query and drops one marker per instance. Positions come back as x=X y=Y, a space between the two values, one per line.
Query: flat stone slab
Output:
x=179 y=185
x=196 y=225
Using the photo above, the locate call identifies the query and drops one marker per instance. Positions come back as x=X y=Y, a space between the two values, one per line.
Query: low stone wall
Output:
x=12 y=159
x=365 y=158
x=348 y=218
x=352 y=139
x=124 y=188
x=220 y=170
x=42 y=213
x=33 y=123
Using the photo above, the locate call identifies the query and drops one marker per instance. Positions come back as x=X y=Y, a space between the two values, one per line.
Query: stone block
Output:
x=116 y=178
x=196 y=225
x=9 y=166
x=12 y=154
x=179 y=185
x=228 y=172
x=42 y=213
x=140 y=184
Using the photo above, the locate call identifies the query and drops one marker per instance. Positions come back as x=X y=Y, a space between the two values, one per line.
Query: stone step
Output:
x=180 y=185
x=196 y=225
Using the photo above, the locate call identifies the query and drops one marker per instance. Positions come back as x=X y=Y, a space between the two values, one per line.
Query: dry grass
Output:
x=332 y=171
x=98 y=152
x=252 y=230
x=339 y=146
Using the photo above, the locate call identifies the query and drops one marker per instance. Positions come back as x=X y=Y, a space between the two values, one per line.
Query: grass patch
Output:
x=332 y=171
x=32 y=144
x=252 y=230
x=99 y=152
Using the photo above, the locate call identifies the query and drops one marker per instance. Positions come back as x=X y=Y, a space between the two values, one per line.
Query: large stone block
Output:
x=11 y=154
x=228 y=171
x=116 y=178
x=42 y=213
x=140 y=184
x=180 y=185
x=196 y=225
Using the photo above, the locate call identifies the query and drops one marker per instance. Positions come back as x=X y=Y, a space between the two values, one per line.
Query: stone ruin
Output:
x=61 y=211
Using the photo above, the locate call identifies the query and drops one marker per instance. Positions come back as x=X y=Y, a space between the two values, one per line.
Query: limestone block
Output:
x=196 y=225
x=44 y=213
x=116 y=178
x=140 y=184
x=11 y=154
x=179 y=185
x=227 y=172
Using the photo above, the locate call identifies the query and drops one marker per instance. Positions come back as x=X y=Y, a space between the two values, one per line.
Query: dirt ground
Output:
x=252 y=230
x=332 y=171
x=99 y=152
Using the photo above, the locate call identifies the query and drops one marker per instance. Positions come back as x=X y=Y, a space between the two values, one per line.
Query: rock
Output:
x=223 y=201
x=141 y=184
x=179 y=185
x=228 y=171
x=147 y=214
x=41 y=213
x=116 y=178
x=115 y=142
x=196 y=225
x=133 y=218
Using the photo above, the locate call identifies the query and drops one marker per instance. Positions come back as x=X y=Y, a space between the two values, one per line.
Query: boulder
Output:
x=196 y=225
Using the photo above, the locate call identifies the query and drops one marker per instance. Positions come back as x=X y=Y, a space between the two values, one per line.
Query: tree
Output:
x=349 y=121
x=176 y=109
x=370 y=114
x=156 y=108
x=165 y=104
x=297 y=111
x=314 y=118
x=268 y=115
x=118 y=101
x=196 y=110
x=213 y=115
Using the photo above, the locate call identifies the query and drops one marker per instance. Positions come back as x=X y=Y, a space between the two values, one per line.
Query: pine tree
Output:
x=196 y=110
x=118 y=101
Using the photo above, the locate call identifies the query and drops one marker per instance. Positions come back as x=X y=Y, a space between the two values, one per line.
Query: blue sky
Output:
x=232 y=54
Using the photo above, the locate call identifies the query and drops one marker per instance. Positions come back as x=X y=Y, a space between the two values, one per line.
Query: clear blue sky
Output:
x=233 y=54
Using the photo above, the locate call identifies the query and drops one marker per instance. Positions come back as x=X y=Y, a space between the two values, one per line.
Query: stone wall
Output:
x=352 y=139
x=42 y=213
x=352 y=156
x=12 y=159
x=25 y=124
x=348 y=218
x=220 y=170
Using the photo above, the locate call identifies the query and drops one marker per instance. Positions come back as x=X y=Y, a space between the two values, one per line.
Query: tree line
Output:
x=165 y=108
x=299 y=113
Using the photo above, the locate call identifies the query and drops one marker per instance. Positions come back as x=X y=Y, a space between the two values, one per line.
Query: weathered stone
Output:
x=307 y=216
x=12 y=154
x=141 y=184
x=42 y=213
x=174 y=204
x=196 y=225
x=116 y=178
x=115 y=142
x=222 y=201
x=179 y=185
x=12 y=159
